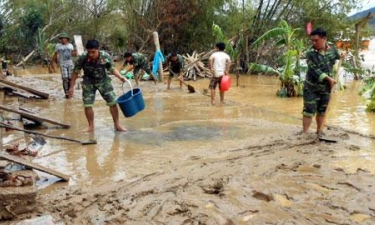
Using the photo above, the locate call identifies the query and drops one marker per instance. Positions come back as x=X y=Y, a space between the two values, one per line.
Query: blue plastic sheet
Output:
x=155 y=67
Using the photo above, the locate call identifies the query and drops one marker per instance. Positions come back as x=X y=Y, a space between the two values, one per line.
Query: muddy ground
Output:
x=267 y=179
x=273 y=176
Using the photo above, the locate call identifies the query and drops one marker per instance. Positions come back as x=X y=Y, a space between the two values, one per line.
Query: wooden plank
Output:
x=89 y=142
x=32 y=91
x=22 y=161
x=34 y=117
x=78 y=43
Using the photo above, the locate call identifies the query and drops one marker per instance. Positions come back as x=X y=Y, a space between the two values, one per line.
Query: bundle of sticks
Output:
x=194 y=67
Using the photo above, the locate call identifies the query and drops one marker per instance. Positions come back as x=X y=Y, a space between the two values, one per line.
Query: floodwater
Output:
x=174 y=122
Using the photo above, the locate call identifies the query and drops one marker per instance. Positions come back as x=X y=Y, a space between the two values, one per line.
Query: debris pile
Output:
x=17 y=182
x=194 y=67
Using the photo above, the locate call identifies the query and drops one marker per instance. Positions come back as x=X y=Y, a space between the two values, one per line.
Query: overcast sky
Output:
x=366 y=4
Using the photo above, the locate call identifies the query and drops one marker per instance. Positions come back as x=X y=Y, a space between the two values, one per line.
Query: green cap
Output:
x=64 y=35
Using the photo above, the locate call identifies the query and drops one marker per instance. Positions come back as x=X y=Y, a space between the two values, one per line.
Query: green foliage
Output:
x=369 y=89
x=349 y=68
x=369 y=86
x=233 y=52
x=219 y=37
x=183 y=25
x=258 y=68
x=371 y=106
x=30 y=25
x=284 y=35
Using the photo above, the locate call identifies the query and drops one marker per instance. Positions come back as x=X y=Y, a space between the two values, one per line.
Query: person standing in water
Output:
x=219 y=64
x=64 y=52
x=95 y=65
x=321 y=57
x=175 y=65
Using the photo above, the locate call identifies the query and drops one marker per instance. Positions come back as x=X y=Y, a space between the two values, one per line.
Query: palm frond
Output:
x=217 y=32
x=273 y=33
x=259 y=68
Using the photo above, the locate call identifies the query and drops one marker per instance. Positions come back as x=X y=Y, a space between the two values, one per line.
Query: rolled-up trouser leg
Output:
x=66 y=84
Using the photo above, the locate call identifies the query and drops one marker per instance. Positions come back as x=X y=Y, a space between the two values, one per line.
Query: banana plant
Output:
x=368 y=90
x=283 y=35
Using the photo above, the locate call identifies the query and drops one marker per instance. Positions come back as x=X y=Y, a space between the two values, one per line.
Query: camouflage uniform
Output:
x=140 y=61
x=316 y=92
x=95 y=78
x=177 y=66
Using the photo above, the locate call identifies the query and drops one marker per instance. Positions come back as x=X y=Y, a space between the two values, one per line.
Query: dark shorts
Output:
x=105 y=89
x=315 y=99
x=171 y=75
x=144 y=67
x=215 y=81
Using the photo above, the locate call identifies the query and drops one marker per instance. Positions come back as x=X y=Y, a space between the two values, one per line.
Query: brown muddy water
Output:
x=174 y=122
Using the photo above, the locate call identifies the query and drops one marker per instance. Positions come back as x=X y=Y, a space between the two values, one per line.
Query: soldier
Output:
x=137 y=61
x=95 y=65
x=175 y=65
x=321 y=57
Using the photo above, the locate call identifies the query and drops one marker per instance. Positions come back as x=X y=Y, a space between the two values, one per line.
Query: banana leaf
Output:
x=259 y=68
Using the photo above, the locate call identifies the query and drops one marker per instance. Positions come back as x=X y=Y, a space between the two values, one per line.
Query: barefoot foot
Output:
x=88 y=130
x=120 y=128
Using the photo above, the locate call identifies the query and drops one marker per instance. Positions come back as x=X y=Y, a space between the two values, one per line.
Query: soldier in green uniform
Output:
x=95 y=65
x=136 y=61
x=175 y=65
x=321 y=57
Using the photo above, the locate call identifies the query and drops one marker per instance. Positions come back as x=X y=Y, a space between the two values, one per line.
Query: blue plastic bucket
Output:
x=131 y=102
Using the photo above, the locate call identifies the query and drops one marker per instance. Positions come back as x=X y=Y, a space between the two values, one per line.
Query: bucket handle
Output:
x=130 y=84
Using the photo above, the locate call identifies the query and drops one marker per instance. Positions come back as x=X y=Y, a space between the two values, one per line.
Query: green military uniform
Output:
x=175 y=66
x=316 y=92
x=95 y=78
x=140 y=61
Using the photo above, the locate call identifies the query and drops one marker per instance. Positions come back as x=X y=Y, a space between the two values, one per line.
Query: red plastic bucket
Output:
x=225 y=83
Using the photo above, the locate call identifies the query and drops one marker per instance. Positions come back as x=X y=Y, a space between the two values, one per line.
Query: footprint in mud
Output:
x=343 y=136
x=263 y=197
x=292 y=167
x=354 y=148
x=305 y=136
x=194 y=157
x=217 y=188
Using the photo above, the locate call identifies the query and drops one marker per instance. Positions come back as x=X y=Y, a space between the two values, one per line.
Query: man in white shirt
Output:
x=219 y=64
x=64 y=50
